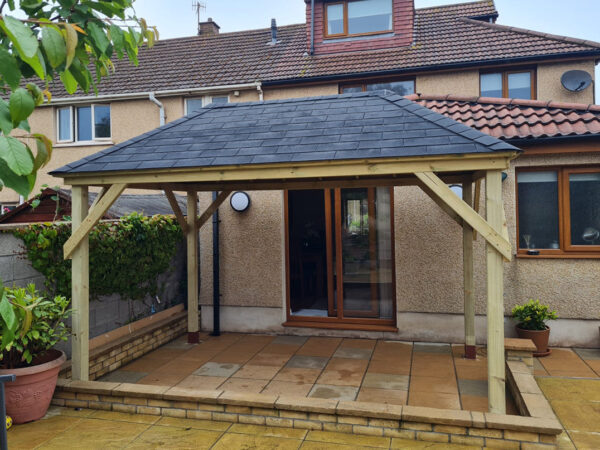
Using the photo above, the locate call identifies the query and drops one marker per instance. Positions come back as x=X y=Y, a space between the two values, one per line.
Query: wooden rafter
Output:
x=439 y=188
x=212 y=208
x=98 y=197
x=92 y=218
x=176 y=210
x=476 y=202
x=443 y=205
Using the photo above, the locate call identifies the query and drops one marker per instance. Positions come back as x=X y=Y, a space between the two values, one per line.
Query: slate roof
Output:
x=517 y=119
x=369 y=125
x=444 y=36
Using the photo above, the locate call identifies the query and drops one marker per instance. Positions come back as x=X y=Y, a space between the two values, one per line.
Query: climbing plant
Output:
x=126 y=257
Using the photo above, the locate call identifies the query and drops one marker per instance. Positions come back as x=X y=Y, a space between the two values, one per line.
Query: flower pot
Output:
x=539 y=337
x=29 y=396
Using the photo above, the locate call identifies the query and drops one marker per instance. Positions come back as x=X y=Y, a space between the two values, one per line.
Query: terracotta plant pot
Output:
x=29 y=396
x=539 y=337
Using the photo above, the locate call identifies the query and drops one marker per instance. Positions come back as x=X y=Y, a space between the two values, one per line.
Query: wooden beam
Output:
x=495 y=299
x=468 y=283
x=80 y=289
x=302 y=170
x=477 y=202
x=98 y=197
x=92 y=218
x=212 y=208
x=192 y=267
x=443 y=205
x=176 y=210
x=478 y=223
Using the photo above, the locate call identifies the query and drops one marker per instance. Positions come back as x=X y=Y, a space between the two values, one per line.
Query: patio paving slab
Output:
x=307 y=362
x=392 y=396
x=123 y=376
x=386 y=381
x=288 y=388
x=162 y=437
x=256 y=372
x=244 y=385
x=355 y=353
x=477 y=388
x=290 y=340
x=444 y=349
x=298 y=375
x=215 y=369
x=333 y=392
x=201 y=382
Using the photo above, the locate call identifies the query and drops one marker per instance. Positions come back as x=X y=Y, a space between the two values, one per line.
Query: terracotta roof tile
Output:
x=516 y=119
x=443 y=36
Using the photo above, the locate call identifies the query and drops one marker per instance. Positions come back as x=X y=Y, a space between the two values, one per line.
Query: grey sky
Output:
x=175 y=18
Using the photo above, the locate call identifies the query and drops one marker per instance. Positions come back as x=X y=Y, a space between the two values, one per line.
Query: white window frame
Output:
x=206 y=100
x=73 y=124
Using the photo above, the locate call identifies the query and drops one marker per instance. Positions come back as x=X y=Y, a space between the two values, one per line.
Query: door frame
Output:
x=339 y=322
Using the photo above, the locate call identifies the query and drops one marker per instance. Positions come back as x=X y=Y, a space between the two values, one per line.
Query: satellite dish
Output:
x=576 y=80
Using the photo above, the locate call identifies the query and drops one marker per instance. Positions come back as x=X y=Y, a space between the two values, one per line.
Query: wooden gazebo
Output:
x=366 y=139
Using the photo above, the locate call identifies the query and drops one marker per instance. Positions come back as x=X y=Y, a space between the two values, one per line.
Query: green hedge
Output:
x=126 y=257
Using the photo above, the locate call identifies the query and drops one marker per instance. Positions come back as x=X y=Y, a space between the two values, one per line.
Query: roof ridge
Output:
x=554 y=37
x=508 y=101
x=229 y=33
x=454 y=5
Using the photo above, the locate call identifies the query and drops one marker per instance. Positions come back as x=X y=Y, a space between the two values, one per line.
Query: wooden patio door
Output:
x=340 y=262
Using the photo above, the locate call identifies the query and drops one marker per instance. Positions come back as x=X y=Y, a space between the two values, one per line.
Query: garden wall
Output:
x=106 y=313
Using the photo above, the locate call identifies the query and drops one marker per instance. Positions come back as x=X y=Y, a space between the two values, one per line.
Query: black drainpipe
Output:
x=312 y=27
x=216 y=275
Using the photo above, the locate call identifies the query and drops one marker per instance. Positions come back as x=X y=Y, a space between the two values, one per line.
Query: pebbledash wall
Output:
x=428 y=252
x=106 y=313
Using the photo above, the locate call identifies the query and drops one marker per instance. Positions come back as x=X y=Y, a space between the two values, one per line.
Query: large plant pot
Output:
x=539 y=337
x=29 y=396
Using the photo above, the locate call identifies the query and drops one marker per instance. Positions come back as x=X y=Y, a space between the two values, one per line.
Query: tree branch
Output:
x=2 y=5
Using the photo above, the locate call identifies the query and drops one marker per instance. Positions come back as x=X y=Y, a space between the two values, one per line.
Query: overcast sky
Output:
x=176 y=18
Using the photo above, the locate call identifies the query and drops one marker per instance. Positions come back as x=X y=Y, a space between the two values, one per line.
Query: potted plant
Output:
x=531 y=324
x=31 y=325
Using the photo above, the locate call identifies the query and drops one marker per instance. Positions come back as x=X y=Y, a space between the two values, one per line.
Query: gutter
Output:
x=153 y=99
x=433 y=68
x=145 y=95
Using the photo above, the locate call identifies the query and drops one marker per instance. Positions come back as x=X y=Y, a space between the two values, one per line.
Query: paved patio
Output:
x=433 y=375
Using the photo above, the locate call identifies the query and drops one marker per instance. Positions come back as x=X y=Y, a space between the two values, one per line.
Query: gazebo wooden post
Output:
x=469 y=294
x=495 y=298
x=80 y=289
x=192 y=267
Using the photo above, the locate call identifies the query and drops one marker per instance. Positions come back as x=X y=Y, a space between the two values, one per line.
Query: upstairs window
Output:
x=402 y=87
x=518 y=84
x=196 y=104
x=83 y=123
x=358 y=17
x=559 y=211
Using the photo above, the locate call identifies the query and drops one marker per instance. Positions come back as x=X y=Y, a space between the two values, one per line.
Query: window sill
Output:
x=82 y=144
x=340 y=326
x=360 y=37
x=561 y=256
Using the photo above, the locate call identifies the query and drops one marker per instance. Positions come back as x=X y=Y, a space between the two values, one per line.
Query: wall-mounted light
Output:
x=457 y=189
x=240 y=201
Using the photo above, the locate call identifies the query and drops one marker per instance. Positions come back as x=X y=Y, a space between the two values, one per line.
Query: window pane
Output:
x=519 y=85
x=64 y=125
x=351 y=89
x=584 y=190
x=538 y=210
x=491 y=85
x=219 y=100
x=193 y=105
x=84 y=123
x=368 y=16
x=335 y=19
x=102 y=121
x=399 y=87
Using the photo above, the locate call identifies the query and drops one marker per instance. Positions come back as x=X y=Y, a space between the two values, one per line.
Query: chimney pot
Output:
x=208 y=28
x=273 y=31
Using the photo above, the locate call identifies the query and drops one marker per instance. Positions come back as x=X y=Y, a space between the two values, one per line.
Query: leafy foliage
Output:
x=31 y=325
x=126 y=257
x=533 y=315
x=70 y=40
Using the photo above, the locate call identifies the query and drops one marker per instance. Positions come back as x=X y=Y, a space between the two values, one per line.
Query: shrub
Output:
x=533 y=315
x=31 y=325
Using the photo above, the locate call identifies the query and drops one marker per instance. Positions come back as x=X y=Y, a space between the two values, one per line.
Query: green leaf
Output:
x=38 y=64
x=16 y=155
x=116 y=35
x=71 y=40
x=11 y=180
x=44 y=151
x=24 y=125
x=8 y=68
x=21 y=105
x=69 y=81
x=36 y=93
x=21 y=36
x=7 y=313
x=98 y=37
x=54 y=46
x=81 y=74
x=6 y=124
x=35 y=203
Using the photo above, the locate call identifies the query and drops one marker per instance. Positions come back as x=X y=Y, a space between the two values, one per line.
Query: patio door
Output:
x=340 y=265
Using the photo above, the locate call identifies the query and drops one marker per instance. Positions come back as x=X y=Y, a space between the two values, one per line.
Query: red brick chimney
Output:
x=208 y=28
x=401 y=34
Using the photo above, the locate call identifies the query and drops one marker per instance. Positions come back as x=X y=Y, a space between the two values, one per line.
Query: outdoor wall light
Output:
x=240 y=201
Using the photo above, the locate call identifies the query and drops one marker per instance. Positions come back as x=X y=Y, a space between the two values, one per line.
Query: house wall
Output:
x=550 y=88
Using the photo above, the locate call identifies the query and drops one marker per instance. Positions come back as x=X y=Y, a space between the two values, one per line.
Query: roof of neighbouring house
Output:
x=445 y=36
x=366 y=125
x=148 y=205
x=512 y=119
